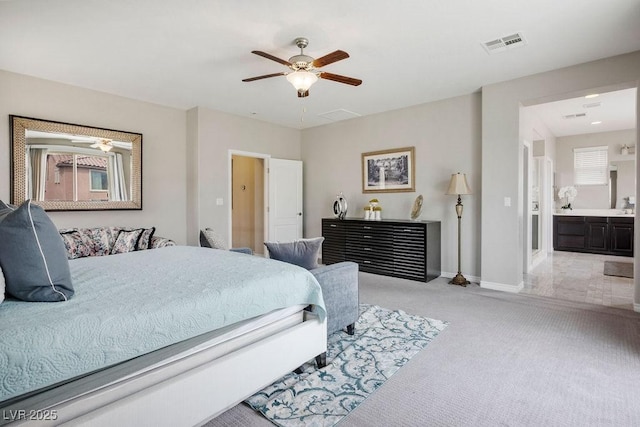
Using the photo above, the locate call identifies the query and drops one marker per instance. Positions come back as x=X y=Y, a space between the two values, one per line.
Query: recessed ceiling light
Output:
x=596 y=123
x=593 y=95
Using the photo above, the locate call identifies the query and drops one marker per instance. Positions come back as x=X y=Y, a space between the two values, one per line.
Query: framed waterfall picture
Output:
x=388 y=171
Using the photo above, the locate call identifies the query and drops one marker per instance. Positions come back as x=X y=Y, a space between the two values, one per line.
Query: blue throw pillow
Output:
x=303 y=252
x=32 y=255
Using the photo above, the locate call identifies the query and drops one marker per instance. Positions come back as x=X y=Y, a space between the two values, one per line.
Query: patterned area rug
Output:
x=616 y=268
x=358 y=365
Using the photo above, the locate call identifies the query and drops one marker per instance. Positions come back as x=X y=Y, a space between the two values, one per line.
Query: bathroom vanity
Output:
x=599 y=231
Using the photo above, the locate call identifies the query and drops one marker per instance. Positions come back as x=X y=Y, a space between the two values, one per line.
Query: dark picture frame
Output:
x=389 y=171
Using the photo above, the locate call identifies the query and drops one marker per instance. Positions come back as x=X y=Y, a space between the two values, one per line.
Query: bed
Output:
x=170 y=336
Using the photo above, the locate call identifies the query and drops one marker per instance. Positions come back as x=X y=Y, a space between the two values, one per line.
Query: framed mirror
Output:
x=68 y=167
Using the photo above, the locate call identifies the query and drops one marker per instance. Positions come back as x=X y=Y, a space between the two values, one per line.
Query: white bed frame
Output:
x=196 y=389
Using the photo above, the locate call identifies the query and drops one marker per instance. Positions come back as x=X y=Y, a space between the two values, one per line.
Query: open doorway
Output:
x=606 y=123
x=247 y=202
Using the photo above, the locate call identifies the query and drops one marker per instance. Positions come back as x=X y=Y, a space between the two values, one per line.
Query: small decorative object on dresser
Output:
x=340 y=206
x=416 y=210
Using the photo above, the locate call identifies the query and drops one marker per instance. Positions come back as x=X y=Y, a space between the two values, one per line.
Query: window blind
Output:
x=590 y=165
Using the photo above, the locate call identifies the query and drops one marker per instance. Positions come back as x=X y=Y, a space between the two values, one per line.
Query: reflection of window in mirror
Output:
x=74 y=175
x=63 y=166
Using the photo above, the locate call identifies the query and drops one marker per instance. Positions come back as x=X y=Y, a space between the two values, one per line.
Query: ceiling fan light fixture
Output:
x=302 y=80
x=104 y=145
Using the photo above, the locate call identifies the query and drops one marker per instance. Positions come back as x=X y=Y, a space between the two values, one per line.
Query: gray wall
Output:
x=597 y=196
x=502 y=136
x=211 y=134
x=446 y=137
x=163 y=148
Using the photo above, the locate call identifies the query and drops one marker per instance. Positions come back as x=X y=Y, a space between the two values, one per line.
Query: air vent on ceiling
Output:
x=340 y=114
x=574 y=116
x=504 y=43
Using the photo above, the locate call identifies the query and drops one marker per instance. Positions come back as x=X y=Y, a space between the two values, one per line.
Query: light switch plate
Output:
x=507 y=201
x=219 y=201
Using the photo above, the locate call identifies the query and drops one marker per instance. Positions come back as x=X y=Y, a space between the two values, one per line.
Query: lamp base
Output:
x=459 y=280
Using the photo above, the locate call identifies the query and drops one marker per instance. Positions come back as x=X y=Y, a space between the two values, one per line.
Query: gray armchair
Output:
x=339 y=283
x=210 y=239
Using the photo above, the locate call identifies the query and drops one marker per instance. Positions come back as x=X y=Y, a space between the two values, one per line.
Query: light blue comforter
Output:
x=130 y=304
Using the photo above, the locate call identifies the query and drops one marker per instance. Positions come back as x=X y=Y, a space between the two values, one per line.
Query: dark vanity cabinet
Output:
x=593 y=234
x=621 y=230
x=597 y=234
x=407 y=249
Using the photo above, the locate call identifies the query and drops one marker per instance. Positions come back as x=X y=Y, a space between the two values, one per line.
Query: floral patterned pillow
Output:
x=76 y=244
x=127 y=241
x=145 y=238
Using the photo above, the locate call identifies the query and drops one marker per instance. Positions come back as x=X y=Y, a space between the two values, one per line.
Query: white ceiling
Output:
x=187 y=53
x=605 y=112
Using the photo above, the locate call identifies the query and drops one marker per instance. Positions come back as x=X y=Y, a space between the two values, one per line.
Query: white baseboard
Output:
x=448 y=275
x=502 y=286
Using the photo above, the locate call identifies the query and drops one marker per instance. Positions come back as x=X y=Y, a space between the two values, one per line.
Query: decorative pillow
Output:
x=2 y=285
x=211 y=239
x=76 y=244
x=303 y=252
x=126 y=241
x=145 y=238
x=32 y=255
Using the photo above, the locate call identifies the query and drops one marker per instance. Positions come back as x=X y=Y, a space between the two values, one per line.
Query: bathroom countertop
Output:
x=595 y=212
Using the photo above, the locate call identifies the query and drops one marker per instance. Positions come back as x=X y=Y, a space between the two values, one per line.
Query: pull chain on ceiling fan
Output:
x=305 y=68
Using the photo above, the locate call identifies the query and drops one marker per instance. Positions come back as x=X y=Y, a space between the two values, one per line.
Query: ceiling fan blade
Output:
x=340 y=79
x=266 y=76
x=271 y=57
x=338 y=55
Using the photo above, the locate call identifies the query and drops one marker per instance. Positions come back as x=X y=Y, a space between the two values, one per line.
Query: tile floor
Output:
x=579 y=277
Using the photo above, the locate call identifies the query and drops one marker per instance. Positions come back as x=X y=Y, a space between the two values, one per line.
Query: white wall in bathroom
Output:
x=597 y=196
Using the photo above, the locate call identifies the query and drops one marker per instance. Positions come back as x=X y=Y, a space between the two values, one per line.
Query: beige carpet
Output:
x=620 y=269
x=504 y=360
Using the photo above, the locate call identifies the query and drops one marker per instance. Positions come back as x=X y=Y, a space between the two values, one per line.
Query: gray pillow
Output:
x=211 y=239
x=303 y=252
x=32 y=255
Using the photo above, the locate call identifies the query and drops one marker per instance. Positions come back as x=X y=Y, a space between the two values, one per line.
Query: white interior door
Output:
x=285 y=200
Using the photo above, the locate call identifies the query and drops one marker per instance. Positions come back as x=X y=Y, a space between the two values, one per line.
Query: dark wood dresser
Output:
x=406 y=249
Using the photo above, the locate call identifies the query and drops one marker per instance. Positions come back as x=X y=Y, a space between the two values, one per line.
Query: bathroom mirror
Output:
x=68 y=167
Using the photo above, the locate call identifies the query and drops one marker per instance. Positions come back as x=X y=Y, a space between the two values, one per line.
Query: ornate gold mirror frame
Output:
x=76 y=167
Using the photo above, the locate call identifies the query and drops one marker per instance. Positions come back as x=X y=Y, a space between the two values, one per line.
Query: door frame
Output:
x=265 y=191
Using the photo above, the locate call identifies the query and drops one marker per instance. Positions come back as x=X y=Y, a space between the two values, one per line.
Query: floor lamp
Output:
x=458 y=186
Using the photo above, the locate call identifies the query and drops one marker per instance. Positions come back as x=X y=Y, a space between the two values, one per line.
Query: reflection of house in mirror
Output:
x=90 y=173
x=66 y=167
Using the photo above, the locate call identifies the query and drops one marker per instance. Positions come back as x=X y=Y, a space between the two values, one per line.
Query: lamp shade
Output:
x=302 y=80
x=458 y=184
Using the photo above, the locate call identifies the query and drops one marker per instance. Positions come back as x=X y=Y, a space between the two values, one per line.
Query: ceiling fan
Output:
x=305 y=68
x=104 y=144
